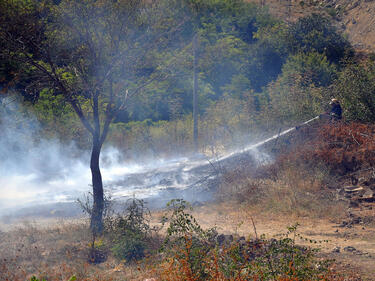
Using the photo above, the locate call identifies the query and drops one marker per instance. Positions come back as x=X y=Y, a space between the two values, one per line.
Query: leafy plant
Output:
x=260 y=259
x=130 y=232
x=185 y=239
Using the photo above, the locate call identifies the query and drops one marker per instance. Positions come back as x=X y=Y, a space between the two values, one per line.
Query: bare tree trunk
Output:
x=97 y=185
x=195 y=94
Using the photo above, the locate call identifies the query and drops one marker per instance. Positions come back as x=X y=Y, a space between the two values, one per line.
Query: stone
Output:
x=336 y=250
x=224 y=239
x=350 y=249
x=354 y=203
x=368 y=194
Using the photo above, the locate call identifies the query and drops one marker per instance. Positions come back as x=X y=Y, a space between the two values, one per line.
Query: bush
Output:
x=298 y=93
x=317 y=33
x=341 y=148
x=344 y=148
x=199 y=257
x=356 y=89
x=130 y=233
x=186 y=241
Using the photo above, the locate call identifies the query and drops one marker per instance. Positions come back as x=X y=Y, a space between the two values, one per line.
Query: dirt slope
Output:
x=355 y=17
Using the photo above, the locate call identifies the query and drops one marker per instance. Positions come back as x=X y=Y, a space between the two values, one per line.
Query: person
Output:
x=336 y=110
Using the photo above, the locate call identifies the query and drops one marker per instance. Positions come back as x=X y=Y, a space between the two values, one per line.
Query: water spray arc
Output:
x=156 y=181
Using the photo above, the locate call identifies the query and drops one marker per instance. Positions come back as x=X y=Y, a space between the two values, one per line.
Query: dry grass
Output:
x=60 y=251
x=294 y=190
x=303 y=179
x=57 y=252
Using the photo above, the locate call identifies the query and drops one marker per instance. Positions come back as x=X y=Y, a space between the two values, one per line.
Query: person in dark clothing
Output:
x=336 y=110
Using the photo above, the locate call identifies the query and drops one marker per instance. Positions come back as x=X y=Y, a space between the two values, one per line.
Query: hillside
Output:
x=354 y=18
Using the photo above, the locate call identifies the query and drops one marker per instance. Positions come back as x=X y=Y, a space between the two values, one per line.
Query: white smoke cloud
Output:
x=36 y=171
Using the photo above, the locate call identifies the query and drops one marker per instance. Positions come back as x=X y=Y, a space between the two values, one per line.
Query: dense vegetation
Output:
x=121 y=73
x=254 y=71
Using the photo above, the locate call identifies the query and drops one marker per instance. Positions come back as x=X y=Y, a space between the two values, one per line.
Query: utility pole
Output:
x=289 y=10
x=195 y=92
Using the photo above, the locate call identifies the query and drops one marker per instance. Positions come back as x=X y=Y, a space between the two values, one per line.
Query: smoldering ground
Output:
x=43 y=177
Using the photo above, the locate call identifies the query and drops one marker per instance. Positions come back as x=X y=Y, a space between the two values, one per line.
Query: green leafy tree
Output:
x=317 y=33
x=355 y=87
x=96 y=55
x=298 y=93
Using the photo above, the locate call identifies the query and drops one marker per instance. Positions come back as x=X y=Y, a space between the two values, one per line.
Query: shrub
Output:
x=260 y=259
x=130 y=233
x=185 y=240
x=298 y=93
x=345 y=147
x=317 y=33
x=356 y=89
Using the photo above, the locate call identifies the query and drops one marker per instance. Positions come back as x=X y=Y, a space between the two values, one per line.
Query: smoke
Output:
x=35 y=171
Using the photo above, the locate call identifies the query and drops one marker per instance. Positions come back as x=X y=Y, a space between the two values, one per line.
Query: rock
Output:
x=350 y=249
x=224 y=239
x=336 y=250
x=354 y=203
x=242 y=238
x=368 y=194
x=166 y=182
x=357 y=220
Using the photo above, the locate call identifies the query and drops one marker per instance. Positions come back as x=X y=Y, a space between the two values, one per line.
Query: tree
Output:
x=355 y=88
x=316 y=33
x=298 y=92
x=96 y=54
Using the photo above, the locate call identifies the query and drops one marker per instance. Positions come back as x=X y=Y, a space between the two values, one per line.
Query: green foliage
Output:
x=181 y=223
x=184 y=231
x=253 y=69
x=313 y=67
x=298 y=93
x=36 y=279
x=317 y=33
x=130 y=233
x=355 y=87
x=73 y=278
